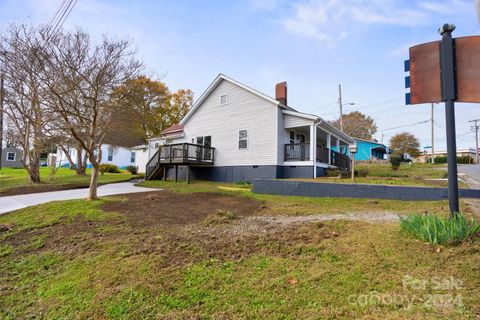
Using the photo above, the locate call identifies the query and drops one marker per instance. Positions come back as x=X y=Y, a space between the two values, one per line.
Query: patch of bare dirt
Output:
x=164 y=208
x=184 y=228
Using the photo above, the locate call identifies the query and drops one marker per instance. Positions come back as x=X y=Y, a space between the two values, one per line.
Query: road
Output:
x=472 y=170
x=12 y=203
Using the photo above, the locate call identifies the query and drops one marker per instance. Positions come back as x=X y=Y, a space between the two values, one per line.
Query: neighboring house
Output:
x=235 y=133
x=111 y=154
x=12 y=158
x=140 y=156
x=370 y=150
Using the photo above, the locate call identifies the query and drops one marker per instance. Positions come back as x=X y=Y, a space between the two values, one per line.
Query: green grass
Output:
x=125 y=273
x=418 y=174
x=293 y=205
x=439 y=230
x=15 y=178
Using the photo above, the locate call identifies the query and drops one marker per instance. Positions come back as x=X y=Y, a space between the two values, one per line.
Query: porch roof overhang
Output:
x=323 y=124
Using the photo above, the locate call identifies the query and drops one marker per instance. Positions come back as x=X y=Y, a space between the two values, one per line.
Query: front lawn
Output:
x=203 y=251
x=16 y=180
x=420 y=175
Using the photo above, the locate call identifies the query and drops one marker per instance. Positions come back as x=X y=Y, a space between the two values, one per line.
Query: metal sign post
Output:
x=445 y=71
x=449 y=94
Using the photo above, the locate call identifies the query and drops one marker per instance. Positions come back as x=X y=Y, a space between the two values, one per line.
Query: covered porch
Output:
x=316 y=143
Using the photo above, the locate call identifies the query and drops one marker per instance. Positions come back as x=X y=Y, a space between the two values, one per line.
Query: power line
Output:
x=361 y=108
x=405 y=125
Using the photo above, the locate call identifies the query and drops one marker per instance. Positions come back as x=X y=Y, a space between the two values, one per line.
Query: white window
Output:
x=223 y=99
x=132 y=157
x=10 y=156
x=110 y=153
x=242 y=139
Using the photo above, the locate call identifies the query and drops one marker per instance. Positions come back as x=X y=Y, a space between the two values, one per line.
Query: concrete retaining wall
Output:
x=314 y=189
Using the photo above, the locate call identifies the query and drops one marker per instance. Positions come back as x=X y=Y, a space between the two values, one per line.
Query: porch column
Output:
x=329 y=146
x=313 y=148
x=338 y=145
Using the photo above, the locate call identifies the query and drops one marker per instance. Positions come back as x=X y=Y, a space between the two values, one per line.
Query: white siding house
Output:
x=253 y=136
x=111 y=154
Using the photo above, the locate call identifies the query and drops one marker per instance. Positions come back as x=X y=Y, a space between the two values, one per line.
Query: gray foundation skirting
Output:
x=244 y=173
x=313 y=189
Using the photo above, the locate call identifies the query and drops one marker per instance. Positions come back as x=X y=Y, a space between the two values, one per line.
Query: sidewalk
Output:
x=12 y=203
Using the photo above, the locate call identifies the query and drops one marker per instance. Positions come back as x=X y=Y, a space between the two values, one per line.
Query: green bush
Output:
x=362 y=172
x=395 y=162
x=132 y=169
x=438 y=230
x=461 y=160
x=110 y=168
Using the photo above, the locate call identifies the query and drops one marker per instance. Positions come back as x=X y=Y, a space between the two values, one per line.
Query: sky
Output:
x=314 y=45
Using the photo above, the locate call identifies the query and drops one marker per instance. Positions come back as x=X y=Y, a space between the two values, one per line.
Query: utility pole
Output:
x=433 y=135
x=476 y=137
x=340 y=106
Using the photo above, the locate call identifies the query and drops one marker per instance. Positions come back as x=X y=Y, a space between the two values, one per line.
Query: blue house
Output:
x=369 y=150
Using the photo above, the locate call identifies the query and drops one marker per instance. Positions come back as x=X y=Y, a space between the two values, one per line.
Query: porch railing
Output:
x=340 y=160
x=297 y=151
x=322 y=154
x=301 y=152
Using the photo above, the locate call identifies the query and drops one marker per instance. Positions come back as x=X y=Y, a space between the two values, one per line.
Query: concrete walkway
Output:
x=11 y=203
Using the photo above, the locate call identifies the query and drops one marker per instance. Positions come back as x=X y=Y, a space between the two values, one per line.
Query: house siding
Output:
x=17 y=163
x=121 y=157
x=293 y=121
x=243 y=111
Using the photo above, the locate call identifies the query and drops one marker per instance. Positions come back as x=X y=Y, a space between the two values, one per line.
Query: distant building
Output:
x=12 y=158
x=370 y=150
x=460 y=152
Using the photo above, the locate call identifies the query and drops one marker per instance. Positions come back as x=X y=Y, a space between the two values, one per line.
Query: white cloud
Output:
x=328 y=21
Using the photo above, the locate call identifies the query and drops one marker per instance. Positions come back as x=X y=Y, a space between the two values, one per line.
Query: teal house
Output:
x=370 y=150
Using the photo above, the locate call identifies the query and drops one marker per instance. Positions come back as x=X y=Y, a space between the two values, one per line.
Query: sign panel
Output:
x=467 y=51
x=425 y=86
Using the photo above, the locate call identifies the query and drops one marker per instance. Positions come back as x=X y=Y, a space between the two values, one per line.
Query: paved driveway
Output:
x=472 y=170
x=11 y=203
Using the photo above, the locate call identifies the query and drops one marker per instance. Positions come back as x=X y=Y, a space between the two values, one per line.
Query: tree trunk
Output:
x=80 y=163
x=68 y=156
x=92 y=192
x=33 y=172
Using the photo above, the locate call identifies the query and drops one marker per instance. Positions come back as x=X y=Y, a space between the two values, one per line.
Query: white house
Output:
x=235 y=133
x=111 y=154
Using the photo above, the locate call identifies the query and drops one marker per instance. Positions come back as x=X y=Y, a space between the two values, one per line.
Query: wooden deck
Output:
x=179 y=154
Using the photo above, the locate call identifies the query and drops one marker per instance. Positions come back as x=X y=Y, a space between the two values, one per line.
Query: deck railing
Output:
x=181 y=154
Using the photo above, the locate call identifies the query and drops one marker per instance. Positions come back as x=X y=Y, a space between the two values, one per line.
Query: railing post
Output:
x=329 y=147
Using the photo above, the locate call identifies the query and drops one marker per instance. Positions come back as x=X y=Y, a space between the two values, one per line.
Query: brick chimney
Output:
x=281 y=92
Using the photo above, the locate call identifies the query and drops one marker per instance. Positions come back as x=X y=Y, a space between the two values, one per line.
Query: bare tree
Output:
x=20 y=49
x=80 y=78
